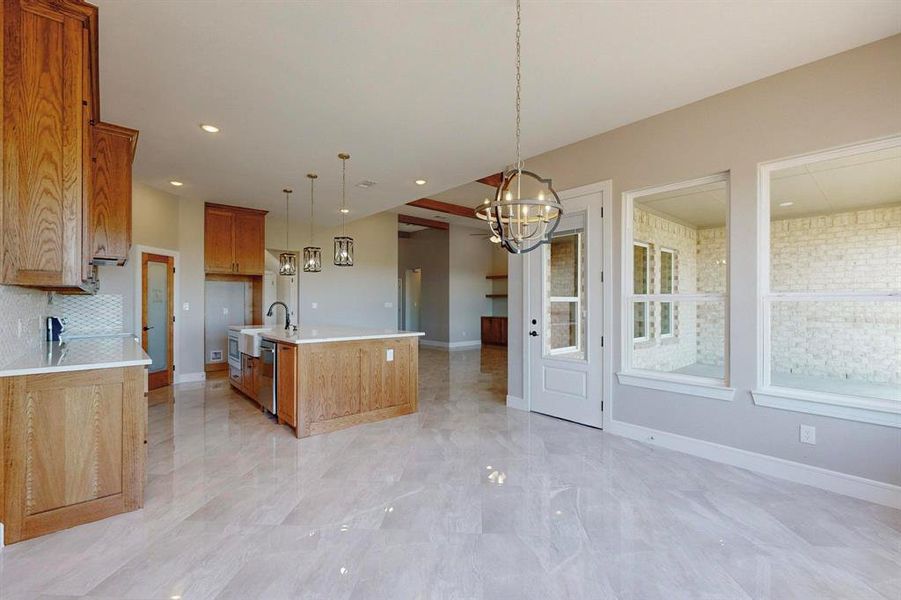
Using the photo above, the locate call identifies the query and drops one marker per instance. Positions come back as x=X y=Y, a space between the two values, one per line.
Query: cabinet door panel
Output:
x=219 y=241
x=43 y=146
x=110 y=200
x=249 y=243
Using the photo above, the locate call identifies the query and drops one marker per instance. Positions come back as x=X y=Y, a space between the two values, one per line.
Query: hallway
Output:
x=471 y=500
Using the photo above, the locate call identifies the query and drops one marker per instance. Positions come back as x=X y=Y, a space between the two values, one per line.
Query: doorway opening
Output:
x=412 y=298
x=158 y=316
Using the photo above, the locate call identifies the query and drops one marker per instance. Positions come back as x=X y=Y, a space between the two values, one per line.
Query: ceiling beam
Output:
x=492 y=180
x=443 y=207
x=411 y=220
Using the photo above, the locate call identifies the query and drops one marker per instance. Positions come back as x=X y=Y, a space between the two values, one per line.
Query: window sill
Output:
x=679 y=384
x=850 y=408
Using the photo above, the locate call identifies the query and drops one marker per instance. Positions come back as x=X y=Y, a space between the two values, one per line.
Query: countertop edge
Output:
x=348 y=338
x=73 y=368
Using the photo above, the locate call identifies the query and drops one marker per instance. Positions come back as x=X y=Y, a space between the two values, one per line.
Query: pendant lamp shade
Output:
x=344 y=245
x=287 y=261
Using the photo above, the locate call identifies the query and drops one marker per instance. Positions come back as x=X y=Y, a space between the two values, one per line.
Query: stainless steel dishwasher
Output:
x=268 y=360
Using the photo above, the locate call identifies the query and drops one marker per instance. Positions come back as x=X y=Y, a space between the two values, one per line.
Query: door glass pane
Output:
x=565 y=295
x=157 y=314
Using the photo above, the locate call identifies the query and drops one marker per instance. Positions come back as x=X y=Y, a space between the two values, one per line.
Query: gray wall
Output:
x=429 y=250
x=357 y=295
x=847 y=98
x=470 y=262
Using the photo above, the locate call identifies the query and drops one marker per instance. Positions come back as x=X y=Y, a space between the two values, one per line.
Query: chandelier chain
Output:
x=519 y=163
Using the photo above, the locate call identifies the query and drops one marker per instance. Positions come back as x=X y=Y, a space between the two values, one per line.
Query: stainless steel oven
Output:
x=268 y=364
x=234 y=349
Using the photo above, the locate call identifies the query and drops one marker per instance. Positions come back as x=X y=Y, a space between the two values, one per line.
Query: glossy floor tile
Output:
x=464 y=499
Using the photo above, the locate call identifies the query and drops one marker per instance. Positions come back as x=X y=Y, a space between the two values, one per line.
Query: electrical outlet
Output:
x=389 y=305
x=186 y=306
x=315 y=305
x=808 y=434
x=19 y=334
x=389 y=355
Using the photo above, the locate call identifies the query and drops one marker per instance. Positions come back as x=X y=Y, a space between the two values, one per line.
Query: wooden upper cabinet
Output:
x=234 y=240
x=109 y=231
x=49 y=101
x=250 y=243
x=219 y=240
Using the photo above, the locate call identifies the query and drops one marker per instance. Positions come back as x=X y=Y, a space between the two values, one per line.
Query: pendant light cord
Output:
x=343 y=196
x=287 y=218
x=312 y=239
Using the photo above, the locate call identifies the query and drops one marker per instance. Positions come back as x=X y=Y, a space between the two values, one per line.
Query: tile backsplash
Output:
x=100 y=314
x=21 y=308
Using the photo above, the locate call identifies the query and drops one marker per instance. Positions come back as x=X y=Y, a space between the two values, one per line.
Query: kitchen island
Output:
x=328 y=377
x=73 y=428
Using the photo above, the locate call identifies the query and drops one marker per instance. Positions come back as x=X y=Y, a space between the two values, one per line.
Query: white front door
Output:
x=564 y=314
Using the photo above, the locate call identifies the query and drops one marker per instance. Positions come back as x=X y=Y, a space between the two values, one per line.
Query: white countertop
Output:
x=317 y=334
x=79 y=354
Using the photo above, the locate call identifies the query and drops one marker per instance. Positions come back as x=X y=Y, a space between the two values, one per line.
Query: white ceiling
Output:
x=424 y=89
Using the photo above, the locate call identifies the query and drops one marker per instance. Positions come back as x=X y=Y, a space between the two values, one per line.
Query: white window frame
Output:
x=577 y=300
x=842 y=406
x=647 y=305
x=693 y=385
x=672 y=287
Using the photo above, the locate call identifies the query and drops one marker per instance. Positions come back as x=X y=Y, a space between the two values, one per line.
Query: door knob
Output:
x=533 y=333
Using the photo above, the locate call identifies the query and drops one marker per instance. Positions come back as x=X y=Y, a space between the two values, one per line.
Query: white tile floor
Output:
x=465 y=499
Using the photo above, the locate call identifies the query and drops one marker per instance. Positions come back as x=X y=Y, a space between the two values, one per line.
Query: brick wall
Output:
x=855 y=250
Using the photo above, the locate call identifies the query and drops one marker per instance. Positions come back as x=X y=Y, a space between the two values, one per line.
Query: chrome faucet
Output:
x=287 y=314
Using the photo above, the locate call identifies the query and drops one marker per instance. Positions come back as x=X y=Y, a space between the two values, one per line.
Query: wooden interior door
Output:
x=158 y=316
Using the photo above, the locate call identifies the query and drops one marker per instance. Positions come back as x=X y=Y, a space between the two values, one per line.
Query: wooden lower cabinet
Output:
x=494 y=331
x=246 y=379
x=341 y=384
x=73 y=449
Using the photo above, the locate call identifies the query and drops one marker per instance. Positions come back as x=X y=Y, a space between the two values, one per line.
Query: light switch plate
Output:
x=186 y=306
x=389 y=355
x=389 y=304
x=315 y=305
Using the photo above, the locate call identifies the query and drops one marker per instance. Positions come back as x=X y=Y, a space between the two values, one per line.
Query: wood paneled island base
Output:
x=329 y=385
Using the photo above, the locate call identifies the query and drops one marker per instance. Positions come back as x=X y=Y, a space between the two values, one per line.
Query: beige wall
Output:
x=429 y=250
x=154 y=217
x=470 y=262
x=844 y=99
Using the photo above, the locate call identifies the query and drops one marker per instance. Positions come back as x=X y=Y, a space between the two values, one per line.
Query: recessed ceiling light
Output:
x=344 y=210
x=366 y=184
x=784 y=204
x=421 y=182
x=176 y=183
x=209 y=128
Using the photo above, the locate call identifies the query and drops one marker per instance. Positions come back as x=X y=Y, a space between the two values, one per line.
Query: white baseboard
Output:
x=190 y=377
x=834 y=481
x=464 y=345
x=517 y=403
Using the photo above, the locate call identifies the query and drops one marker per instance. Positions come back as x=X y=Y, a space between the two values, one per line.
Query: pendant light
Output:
x=312 y=255
x=287 y=261
x=344 y=245
x=521 y=220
